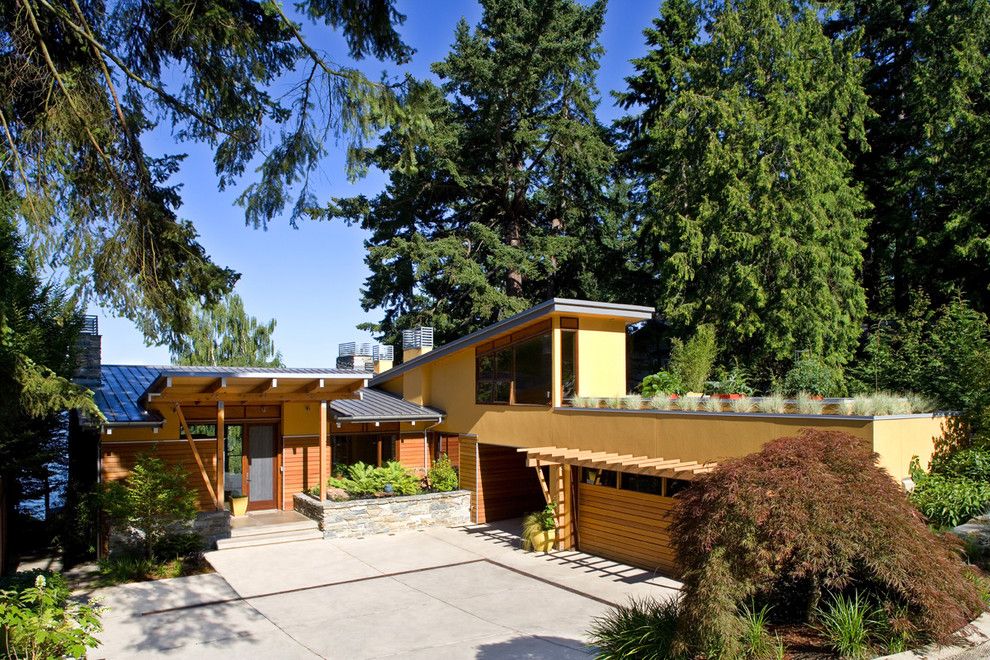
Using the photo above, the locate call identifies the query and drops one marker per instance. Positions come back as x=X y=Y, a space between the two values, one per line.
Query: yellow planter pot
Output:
x=238 y=506
x=543 y=542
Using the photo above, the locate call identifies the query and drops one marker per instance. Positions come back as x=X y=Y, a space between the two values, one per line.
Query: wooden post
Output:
x=323 y=451
x=195 y=451
x=379 y=451
x=560 y=489
x=220 y=455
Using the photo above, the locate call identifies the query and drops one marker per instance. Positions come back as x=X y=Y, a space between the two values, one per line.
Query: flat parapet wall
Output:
x=364 y=517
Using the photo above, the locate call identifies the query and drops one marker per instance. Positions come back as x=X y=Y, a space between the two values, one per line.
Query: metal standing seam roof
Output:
x=120 y=389
x=122 y=386
x=376 y=405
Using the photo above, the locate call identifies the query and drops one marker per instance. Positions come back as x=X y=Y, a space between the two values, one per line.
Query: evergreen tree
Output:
x=739 y=150
x=82 y=82
x=224 y=335
x=508 y=203
x=927 y=170
x=39 y=328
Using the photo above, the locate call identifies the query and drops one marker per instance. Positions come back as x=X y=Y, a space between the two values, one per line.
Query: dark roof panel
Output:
x=121 y=386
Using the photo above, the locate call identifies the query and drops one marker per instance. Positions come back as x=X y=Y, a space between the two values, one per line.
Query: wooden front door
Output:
x=260 y=466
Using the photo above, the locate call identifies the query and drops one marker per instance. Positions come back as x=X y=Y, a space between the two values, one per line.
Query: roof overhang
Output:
x=566 y=306
x=252 y=387
x=660 y=467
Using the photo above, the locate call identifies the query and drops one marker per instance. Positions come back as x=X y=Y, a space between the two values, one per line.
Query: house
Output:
x=497 y=400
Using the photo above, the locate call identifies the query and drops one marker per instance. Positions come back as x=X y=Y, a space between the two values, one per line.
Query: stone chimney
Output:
x=355 y=355
x=383 y=356
x=90 y=347
x=416 y=341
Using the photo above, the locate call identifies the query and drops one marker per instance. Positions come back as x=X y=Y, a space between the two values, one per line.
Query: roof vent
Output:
x=354 y=349
x=383 y=352
x=421 y=337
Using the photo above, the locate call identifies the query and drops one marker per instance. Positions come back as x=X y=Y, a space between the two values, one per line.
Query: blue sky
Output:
x=309 y=278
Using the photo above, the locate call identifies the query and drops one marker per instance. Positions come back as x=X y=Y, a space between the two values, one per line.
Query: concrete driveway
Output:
x=451 y=593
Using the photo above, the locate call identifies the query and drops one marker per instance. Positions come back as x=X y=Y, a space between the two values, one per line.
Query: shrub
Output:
x=362 y=480
x=948 y=501
x=812 y=374
x=442 y=476
x=55 y=583
x=154 y=500
x=805 y=515
x=121 y=569
x=661 y=383
x=732 y=381
x=691 y=361
x=536 y=523
x=847 y=624
x=972 y=463
x=642 y=629
x=38 y=622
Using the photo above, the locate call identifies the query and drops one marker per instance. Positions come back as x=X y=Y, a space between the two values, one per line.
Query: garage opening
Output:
x=502 y=485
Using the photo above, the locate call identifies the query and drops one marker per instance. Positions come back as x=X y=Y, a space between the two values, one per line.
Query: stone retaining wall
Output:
x=387 y=514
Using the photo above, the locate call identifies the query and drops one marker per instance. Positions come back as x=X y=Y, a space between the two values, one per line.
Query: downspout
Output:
x=426 y=442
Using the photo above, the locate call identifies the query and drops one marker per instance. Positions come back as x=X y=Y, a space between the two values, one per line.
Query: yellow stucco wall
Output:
x=898 y=440
x=601 y=349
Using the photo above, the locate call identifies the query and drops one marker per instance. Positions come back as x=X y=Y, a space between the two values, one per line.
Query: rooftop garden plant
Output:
x=811 y=374
x=691 y=361
x=807 y=520
x=662 y=383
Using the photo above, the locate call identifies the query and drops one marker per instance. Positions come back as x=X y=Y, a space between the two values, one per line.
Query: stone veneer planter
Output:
x=387 y=514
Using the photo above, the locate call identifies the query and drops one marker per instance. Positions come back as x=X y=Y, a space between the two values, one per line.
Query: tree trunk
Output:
x=514 y=278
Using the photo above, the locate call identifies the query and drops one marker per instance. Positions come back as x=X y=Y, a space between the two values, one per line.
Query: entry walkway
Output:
x=452 y=593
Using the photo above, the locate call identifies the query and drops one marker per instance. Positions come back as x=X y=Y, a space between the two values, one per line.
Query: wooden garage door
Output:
x=626 y=526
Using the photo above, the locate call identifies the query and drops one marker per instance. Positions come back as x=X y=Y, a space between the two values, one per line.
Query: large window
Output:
x=520 y=372
x=568 y=363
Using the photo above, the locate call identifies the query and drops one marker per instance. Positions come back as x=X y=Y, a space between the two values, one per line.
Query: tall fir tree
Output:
x=225 y=335
x=927 y=170
x=83 y=82
x=508 y=203
x=743 y=116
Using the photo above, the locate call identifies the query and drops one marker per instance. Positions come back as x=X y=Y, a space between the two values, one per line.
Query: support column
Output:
x=220 y=455
x=323 y=451
x=560 y=490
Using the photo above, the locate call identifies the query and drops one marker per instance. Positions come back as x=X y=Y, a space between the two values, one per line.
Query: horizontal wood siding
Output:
x=411 y=452
x=626 y=526
x=120 y=458
x=301 y=466
x=508 y=488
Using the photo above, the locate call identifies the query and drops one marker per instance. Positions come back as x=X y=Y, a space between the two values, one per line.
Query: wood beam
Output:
x=543 y=484
x=315 y=386
x=219 y=386
x=220 y=454
x=323 y=451
x=247 y=398
x=195 y=451
x=266 y=386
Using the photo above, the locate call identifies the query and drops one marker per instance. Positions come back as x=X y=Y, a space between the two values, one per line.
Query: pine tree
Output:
x=508 y=203
x=927 y=170
x=82 y=83
x=224 y=335
x=739 y=148
x=39 y=328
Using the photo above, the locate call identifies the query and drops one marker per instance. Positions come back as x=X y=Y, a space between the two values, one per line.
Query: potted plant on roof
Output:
x=731 y=384
x=539 y=529
x=238 y=503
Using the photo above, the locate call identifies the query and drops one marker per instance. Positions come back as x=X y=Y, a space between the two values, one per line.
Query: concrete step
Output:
x=260 y=530
x=270 y=538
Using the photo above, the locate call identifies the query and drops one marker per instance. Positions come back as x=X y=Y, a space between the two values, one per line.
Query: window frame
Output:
x=509 y=344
